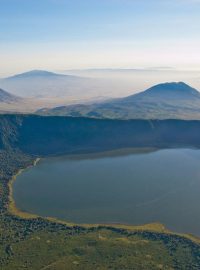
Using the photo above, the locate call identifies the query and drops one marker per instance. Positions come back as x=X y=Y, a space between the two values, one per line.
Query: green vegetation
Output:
x=39 y=243
x=41 y=136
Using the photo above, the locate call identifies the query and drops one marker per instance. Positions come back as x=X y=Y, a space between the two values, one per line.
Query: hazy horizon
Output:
x=124 y=46
x=65 y=35
x=99 y=83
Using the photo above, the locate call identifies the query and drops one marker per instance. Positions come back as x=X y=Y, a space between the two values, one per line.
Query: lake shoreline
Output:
x=12 y=208
x=153 y=227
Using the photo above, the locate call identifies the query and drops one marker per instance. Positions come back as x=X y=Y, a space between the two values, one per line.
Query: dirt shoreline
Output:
x=12 y=208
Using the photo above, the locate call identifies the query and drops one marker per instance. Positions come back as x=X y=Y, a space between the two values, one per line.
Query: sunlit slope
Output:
x=163 y=101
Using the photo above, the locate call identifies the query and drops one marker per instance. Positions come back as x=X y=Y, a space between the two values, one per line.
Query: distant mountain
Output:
x=6 y=97
x=45 y=84
x=165 y=92
x=163 y=101
x=38 y=73
x=69 y=88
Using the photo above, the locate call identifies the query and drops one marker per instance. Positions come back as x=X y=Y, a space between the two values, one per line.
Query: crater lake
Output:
x=120 y=187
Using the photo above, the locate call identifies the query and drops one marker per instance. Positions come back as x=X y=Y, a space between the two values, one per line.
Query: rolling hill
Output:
x=162 y=101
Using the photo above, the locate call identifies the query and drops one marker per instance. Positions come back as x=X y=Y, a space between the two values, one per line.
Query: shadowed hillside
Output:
x=6 y=97
x=53 y=135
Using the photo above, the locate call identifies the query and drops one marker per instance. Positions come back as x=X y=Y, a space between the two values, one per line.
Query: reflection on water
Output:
x=134 y=188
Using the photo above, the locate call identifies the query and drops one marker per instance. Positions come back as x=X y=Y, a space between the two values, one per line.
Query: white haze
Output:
x=97 y=84
x=130 y=81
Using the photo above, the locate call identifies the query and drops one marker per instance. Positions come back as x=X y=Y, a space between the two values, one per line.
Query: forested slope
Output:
x=52 y=135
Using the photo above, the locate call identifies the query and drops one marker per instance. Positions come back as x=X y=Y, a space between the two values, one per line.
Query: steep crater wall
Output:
x=40 y=135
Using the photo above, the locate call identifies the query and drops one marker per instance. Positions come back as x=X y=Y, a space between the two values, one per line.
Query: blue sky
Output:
x=62 y=34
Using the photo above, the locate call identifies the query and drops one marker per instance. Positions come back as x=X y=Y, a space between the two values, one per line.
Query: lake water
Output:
x=137 y=188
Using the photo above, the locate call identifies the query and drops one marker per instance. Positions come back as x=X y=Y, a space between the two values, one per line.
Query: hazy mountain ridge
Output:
x=162 y=101
x=39 y=73
x=167 y=91
x=6 y=97
x=41 y=83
